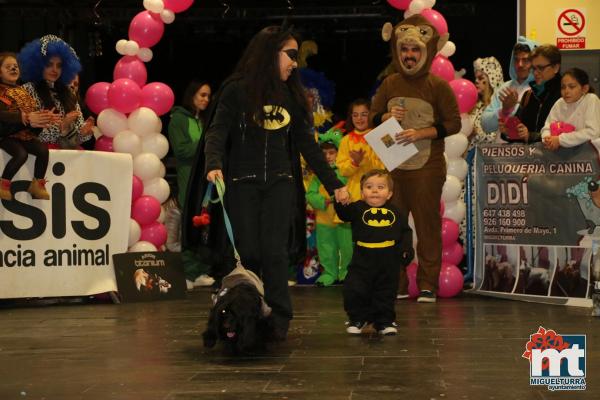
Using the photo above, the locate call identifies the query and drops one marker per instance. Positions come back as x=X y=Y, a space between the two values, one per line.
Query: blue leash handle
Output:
x=220 y=186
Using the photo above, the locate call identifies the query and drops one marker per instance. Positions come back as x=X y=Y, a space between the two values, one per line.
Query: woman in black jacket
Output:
x=260 y=127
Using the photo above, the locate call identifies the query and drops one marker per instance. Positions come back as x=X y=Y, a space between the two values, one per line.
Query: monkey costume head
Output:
x=421 y=42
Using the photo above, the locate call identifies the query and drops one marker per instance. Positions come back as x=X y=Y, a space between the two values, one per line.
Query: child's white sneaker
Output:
x=203 y=280
x=189 y=284
x=387 y=329
x=355 y=327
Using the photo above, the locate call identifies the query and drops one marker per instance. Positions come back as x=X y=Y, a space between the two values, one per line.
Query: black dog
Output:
x=238 y=320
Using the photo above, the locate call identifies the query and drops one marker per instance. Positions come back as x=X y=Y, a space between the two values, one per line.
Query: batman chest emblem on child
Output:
x=276 y=117
x=378 y=217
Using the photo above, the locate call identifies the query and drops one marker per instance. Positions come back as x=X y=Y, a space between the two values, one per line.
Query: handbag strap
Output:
x=220 y=185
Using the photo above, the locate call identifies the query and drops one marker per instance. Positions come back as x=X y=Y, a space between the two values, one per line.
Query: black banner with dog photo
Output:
x=149 y=276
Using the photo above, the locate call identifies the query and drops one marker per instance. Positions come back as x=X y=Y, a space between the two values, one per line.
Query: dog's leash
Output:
x=204 y=217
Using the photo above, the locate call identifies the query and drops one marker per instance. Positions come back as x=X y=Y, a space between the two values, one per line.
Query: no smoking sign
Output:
x=570 y=24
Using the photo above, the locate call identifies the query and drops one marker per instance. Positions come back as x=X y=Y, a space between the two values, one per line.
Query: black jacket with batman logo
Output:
x=245 y=151
x=373 y=225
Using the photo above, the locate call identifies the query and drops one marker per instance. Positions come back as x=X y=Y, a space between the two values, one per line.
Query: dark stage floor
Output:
x=464 y=348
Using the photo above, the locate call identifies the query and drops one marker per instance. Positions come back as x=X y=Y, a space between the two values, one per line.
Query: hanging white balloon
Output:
x=157 y=188
x=167 y=16
x=428 y=3
x=163 y=171
x=127 y=142
x=416 y=6
x=146 y=166
x=142 y=246
x=158 y=125
x=456 y=145
x=451 y=189
x=449 y=49
x=131 y=48
x=143 y=121
x=455 y=211
x=145 y=54
x=156 y=144
x=110 y=122
x=155 y=6
x=458 y=168
x=121 y=47
x=466 y=124
x=96 y=131
x=135 y=231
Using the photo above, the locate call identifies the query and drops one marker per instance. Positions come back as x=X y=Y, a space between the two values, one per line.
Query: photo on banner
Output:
x=538 y=222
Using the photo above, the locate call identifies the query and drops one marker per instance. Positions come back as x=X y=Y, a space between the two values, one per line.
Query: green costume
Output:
x=334 y=240
x=185 y=132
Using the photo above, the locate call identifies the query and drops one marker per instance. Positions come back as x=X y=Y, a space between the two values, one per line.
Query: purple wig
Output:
x=35 y=55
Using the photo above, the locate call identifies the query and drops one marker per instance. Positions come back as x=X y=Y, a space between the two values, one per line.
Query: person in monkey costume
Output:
x=425 y=106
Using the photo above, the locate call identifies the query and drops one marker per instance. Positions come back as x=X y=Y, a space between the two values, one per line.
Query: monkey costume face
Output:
x=417 y=33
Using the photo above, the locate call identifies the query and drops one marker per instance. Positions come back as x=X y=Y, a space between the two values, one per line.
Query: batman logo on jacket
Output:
x=276 y=117
x=378 y=217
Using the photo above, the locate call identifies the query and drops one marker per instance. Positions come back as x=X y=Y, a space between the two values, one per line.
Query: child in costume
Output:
x=18 y=136
x=334 y=240
x=383 y=244
x=355 y=156
x=575 y=117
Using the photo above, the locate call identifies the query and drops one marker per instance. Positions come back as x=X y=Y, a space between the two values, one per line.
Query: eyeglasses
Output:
x=292 y=54
x=540 y=68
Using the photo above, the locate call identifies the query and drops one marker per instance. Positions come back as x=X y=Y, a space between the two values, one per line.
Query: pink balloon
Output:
x=146 y=29
x=124 y=95
x=442 y=67
x=450 y=232
x=442 y=207
x=451 y=281
x=399 y=4
x=96 y=97
x=158 y=97
x=131 y=68
x=104 y=143
x=178 y=5
x=137 y=189
x=155 y=233
x=145 y=210
x=411 y=273
x=465 y=93
x=452 y=254
x=436 y=19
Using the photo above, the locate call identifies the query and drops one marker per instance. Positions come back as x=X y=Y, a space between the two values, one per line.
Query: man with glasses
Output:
x=506 y=98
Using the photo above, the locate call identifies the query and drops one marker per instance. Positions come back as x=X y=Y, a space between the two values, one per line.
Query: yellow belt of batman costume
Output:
x=376 y=245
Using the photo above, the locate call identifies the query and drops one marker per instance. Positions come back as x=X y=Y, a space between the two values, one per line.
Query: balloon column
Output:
x=453 y=209
x=128 y=120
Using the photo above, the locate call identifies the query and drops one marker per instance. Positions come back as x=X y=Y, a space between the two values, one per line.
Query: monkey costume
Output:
x=429 y=102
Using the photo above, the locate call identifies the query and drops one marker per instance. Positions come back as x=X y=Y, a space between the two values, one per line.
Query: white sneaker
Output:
x=402 y=296
x=203 y=280
x=189 y=284
x=387 y=330
x=355 y=327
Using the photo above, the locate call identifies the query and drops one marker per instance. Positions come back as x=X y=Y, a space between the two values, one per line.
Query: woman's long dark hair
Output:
x=259 y=68
x=188 y=98
x=65 y=95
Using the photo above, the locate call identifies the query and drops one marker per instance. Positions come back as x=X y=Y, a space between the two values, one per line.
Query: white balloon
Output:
x=409 y=13
x=155 y=6
x=458 y=167
x=159 y=125
x=157 y=188
x=96 y=131
x=143 y=121
x=456 y=145
x=146 y=166
x=466 y=124
x=455 y=211
x=127 y=142
x=142 y=246
x=135 y=231
x=110 y=122
x=450 y=190
x=145 y=54
x=416 y=6
x=155 y=143
x=131 y=48
x=449 y=49
x=163 y=171
x=121 y=46
x=167 y=16
x=428 y=3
